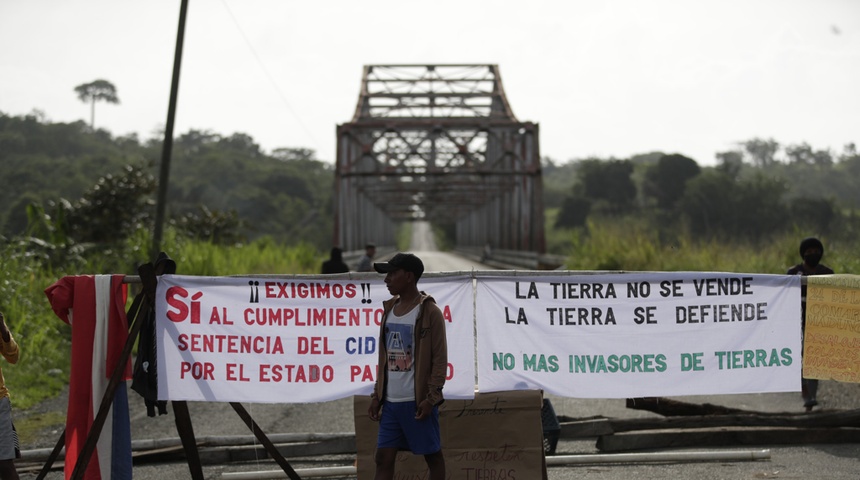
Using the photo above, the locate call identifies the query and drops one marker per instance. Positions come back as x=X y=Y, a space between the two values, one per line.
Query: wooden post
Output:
x=270 y=447
x=186 y=433
x=52 y=457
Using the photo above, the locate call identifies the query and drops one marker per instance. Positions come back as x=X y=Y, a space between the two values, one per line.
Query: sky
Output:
x=603 y=79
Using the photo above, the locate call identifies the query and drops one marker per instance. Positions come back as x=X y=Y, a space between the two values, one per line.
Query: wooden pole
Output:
x=52 y=457
x=270 y=447
x=186 y=433
x=167 y=147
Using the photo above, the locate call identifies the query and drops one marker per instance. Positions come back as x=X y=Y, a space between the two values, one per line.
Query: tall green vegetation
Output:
x=757 y=192
x=46 y=340
x=630 y=245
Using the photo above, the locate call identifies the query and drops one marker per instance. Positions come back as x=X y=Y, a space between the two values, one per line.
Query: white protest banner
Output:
x=639 y=335
x=290 y=339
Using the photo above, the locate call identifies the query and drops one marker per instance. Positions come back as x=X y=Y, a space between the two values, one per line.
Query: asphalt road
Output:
x=813 y=461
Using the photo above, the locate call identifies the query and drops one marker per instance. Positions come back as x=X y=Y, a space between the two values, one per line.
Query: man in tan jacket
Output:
x=413 y=362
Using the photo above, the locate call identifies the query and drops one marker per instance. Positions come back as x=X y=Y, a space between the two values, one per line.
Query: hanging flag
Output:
x=94 y=306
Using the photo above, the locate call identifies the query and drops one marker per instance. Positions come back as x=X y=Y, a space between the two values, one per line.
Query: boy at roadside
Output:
x=9 y=449
x=413 y=361
x=811 y=251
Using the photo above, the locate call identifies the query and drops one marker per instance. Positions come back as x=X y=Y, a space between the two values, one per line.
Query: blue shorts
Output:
x=399 y=429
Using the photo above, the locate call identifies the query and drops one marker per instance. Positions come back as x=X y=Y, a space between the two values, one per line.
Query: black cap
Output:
x=402 y=261
x=809 y=243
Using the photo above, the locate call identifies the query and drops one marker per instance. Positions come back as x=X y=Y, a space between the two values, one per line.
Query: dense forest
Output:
x=755 y=192
x=69 y=183
x=86 y=186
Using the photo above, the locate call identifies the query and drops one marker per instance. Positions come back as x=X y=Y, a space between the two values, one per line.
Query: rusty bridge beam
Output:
x=438 y=143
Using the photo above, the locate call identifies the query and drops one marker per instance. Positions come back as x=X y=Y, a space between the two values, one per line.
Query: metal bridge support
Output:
x=438 y=143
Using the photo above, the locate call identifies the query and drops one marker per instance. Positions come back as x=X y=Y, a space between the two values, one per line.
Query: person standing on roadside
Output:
x=365 y=264
x=9 y=448
x=811 y=251
x=335 y=263
x=413 y=362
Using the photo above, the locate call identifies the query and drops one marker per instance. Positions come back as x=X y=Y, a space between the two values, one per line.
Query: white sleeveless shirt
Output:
x=399 y=343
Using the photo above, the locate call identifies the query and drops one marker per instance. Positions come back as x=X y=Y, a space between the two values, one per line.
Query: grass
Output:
x=28 y=428
x=260 y=257
x=632 y=245
x=45 y=340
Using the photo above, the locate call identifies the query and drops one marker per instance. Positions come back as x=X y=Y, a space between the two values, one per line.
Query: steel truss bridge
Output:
x=438 y=143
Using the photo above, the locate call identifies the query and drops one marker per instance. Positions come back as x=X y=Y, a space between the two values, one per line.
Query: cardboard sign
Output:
x=495 y=436
x=831 y=345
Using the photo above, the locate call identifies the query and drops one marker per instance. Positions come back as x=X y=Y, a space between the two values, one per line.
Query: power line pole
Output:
x=164 y=175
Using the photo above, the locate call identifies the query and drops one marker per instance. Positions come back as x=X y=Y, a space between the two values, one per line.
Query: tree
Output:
x=666 y=180
x=730 y=163
x=763 y=152
x=240 y=143
x=847 y=177
x=813 y=214
x=716 y=205
x=98 y=90
x=114 y=208
x=286 y=154
x=848 y=151
x=707 y=203
x=574 y=212
x=609 y=181
x=804 y=154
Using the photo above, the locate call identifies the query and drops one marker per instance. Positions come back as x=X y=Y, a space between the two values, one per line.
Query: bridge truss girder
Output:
x=443 y=146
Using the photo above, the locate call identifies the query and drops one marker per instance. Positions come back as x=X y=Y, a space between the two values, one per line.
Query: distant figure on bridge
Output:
x=811 y=251
x=365 y=264
x=335 y=263
x=412 y=364
x=487 y=253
